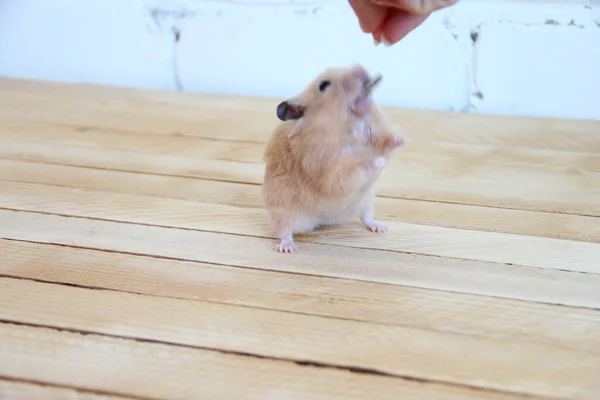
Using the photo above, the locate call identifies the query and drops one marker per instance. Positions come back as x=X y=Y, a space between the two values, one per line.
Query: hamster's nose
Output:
x=361 y=73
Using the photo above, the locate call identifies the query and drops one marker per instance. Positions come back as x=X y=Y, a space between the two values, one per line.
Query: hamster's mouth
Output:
x=362 y=103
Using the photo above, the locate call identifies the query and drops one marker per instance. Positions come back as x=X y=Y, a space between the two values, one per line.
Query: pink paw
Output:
x=286 y=246
x=376 y=226
x=395 y=142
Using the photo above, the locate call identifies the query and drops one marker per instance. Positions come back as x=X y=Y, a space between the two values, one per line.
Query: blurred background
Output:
x=526 y=57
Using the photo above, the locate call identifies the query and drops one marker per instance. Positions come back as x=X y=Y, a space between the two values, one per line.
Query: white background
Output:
x=539 y=58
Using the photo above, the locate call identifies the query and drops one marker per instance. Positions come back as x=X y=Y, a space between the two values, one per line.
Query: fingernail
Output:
x=376 y=42
x=384 y=40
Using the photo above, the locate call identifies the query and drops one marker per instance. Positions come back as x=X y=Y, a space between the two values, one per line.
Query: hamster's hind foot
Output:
x=373 y=225
x=286 y=245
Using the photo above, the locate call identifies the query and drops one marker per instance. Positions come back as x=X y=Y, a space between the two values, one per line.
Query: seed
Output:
x=372 y=83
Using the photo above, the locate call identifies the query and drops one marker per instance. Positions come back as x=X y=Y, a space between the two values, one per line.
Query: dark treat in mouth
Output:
x=370 y=85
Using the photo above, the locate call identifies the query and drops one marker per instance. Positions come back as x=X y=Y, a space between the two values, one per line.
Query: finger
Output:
x=370 y=16
x=398 y=24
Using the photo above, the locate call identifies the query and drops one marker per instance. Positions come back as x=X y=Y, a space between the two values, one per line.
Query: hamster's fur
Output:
x=323 y=159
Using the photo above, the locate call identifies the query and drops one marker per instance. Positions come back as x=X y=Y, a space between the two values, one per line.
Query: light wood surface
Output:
x=15 y=390
x=137 y=262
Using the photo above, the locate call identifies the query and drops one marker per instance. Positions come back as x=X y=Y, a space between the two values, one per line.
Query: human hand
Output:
x=389 y=21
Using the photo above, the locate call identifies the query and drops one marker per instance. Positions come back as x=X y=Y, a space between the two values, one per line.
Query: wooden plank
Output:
x=169 y=115
x=419 y=239
x=435 y=177
x=132 y=161
x=145 y=142
x=15 y=390
x=161 y=371
x=453 y=154
x=238 y=194
x=197 y=114
x=527 y=223
x=526 y=368
x=501 y=280
x=361 y=301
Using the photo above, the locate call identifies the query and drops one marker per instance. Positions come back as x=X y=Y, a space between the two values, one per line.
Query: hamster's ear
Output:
x=289 y=110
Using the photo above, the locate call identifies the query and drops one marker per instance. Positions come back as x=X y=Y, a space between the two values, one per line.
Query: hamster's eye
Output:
x=323 y=85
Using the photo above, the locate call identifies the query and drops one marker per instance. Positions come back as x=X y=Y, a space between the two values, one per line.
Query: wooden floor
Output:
x=136 y=260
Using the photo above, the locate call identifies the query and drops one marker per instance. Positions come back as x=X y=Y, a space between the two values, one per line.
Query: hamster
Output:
x=323 y=158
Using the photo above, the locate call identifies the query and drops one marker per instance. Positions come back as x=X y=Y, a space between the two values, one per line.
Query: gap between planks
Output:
x=335 y=298
x=524 y=368
x=173 y=372
x=23 y=389
x=531 y=223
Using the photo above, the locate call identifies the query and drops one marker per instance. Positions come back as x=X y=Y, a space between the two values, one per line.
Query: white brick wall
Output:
x=529 y=58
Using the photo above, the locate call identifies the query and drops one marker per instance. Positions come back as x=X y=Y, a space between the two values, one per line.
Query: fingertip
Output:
x=386 y=41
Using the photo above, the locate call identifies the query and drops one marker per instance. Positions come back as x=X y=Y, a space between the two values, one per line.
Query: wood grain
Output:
x=492 y=279
x=340 y=298
x=395 y=350
x=418 y=239
x=160 y=371
x=460 y=216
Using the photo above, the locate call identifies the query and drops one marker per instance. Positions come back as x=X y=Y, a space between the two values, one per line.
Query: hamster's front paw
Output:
x=394 y=142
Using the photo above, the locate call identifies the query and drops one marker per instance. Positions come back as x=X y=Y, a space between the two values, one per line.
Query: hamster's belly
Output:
x=338 y=212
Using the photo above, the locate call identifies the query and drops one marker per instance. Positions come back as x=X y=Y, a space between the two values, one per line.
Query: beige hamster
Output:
x=323 y=159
